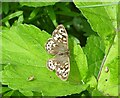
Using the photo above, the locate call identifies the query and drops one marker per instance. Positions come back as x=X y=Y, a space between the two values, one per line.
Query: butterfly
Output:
x=58 y=46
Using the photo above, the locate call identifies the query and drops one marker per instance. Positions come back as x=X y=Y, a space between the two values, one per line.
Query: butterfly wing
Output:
x=60 y=35
x=58 y=42
x=61 y=65
x=52 y=46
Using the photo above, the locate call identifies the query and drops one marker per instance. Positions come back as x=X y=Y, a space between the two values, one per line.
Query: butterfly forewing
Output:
x=60 y=35
x=58 y=46
x=52 y=46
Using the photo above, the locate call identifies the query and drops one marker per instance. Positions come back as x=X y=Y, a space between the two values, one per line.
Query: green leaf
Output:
x=92 y=81
x=37 y=94
x=23 y=45
x=99 y=15
x=95 y=51
x=37 y=4
x=43 y=20
x=26 y=92
x=64 y=9
x=5 y=7
x=1 y=74
x=1 y=8
x=108 y=80
x=81 y=62
x=9 y=93
x=20 y=19
x=82 y=25
x=51 y=14
x=17 y=93
x=34 y=13
x=4 y=89
x=23 y=49
x=45 y=81
x=13 y=15
x=102 y=18
x=97 y=93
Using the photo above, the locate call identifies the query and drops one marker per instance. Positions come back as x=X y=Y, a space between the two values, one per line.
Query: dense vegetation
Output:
x=93 y=43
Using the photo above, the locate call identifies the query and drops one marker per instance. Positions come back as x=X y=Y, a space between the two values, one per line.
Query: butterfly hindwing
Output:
x=61 y=65
x=63 y=70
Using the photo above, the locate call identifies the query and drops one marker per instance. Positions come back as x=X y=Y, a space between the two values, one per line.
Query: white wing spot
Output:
x=64 y=39
x=58 y=69
x=63 y=70
x=60 y=36
x=50 y=42
x=55 y=63
x=55 y=38
x=51 y=65
x=67 y=70
x=55 y=30
x=54 y=45
x=66 y=66
x=65 y=34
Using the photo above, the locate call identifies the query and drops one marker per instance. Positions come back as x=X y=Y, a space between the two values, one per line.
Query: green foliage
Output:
x=101 y=18
x=25 y=50
x=93 y=44
x=110 y=86
x=95 y=51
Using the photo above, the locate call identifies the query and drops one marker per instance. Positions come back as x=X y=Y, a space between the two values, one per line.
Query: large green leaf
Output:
x=102 y=18
x=108 y=80
x=95 y=51
x=23 y=44
x=24 y=51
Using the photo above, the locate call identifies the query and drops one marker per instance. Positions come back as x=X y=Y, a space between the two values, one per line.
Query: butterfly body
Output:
x=58 y=46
